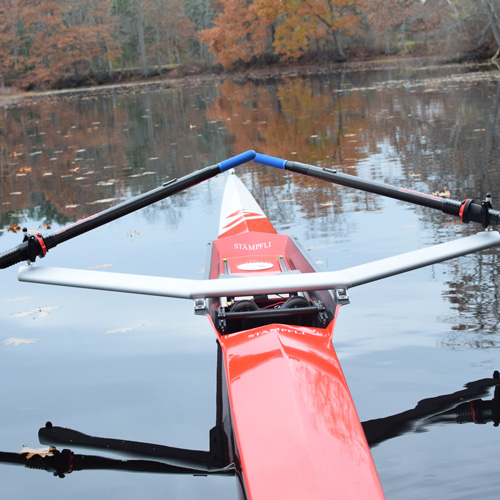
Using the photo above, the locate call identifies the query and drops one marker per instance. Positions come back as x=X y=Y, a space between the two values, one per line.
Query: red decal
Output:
x=76 y=223
x=431 y=196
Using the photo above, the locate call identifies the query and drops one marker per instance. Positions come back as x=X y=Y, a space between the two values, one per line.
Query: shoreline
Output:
x=195 y=78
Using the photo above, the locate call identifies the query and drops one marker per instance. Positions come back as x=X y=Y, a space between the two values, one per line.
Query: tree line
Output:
x=50 y=43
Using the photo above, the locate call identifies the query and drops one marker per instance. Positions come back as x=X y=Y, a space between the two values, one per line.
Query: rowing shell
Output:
x=295 y=432
x=290 y=425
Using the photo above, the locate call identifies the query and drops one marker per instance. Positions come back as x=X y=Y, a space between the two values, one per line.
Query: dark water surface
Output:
x=143 y=368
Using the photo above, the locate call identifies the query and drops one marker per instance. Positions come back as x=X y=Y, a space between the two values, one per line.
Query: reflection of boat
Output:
x=286 y=422
x=155 y=458
x=460 y=407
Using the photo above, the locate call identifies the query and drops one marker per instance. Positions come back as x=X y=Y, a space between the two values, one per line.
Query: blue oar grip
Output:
x=271 y=161
x=236 y=160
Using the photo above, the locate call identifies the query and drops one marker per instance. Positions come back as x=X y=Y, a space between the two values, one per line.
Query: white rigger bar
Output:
x=192 y=289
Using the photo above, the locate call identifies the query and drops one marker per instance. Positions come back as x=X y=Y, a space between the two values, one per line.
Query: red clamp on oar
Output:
x=41 y=242
x=36 y=246
x=464 y=210
x=470 y=211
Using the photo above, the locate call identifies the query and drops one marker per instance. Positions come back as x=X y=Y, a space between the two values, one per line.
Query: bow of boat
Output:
x=292 y=429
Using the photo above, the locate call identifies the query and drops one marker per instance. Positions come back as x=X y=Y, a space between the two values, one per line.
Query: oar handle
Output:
x=33 y=246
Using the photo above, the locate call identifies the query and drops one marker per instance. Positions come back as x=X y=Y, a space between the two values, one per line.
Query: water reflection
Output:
x=460 y=407
x=107 y=146
x=463 y=406
x=66 y=158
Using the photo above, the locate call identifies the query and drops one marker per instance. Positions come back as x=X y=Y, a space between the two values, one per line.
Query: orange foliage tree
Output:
x=53 y=39
x=10 y=38
x=301 y=23
x=238 y=32
x=288 y=28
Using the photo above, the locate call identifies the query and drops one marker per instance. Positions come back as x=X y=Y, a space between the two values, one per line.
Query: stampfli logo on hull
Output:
x=255 y=246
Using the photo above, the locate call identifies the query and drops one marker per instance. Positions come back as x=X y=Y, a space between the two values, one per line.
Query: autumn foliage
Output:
x=48 y=39
x=49 y=43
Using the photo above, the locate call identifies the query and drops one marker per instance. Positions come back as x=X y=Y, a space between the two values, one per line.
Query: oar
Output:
x=60 y=463
x=36 y=245
x=199 y=460
x=467 y=210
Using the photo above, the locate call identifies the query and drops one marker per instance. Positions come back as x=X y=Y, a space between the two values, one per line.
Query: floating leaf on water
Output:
x=443 y=194
x=16 y=341
x=14 y=228
x=132 y=235
x=120 y=330
x=17 y=299
x=411 y=174
x=101 y=266
x=24 y=170
x=37 y=452
x=105 y=200
x=41 y=312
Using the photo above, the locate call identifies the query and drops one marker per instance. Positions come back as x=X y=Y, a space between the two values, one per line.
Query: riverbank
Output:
x=196 y=75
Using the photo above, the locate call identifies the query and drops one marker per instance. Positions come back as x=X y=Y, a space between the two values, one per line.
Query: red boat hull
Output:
x=296 y=428
x=292 y=429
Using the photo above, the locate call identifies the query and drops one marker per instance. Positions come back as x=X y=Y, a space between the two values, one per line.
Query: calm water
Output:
x=143 y=368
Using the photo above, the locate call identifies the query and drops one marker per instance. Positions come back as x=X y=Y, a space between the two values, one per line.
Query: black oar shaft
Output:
x=181 y=457
x=160 y=193
x=37 y=245
x=467 y=210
